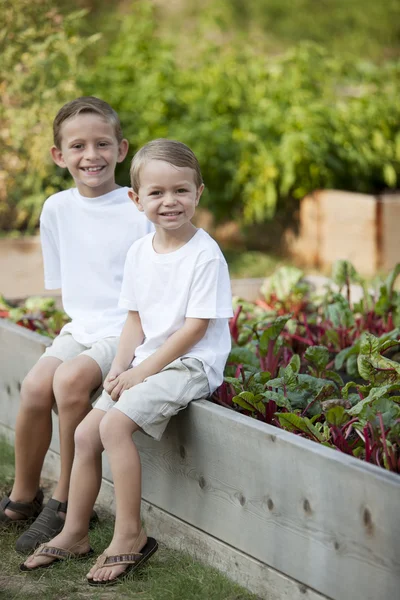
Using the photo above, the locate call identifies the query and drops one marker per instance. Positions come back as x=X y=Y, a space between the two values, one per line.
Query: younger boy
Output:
x=86 y=232
x=177 y=290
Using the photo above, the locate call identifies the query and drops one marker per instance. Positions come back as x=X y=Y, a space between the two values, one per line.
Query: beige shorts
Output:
x=152 y=403
x=65 y=347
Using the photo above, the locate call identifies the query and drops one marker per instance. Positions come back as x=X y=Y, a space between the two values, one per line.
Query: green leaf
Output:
x=389 y=175
x=337 y=415
x=240 y=401
x=282 y=282
x=243 y=356
x=295 y=363
x=317 y=356
x=334 y=377
x=391 y=278
x=343 y=272
x=292 y=422
x=235 y=383
x=278 y=398
x=272 y=332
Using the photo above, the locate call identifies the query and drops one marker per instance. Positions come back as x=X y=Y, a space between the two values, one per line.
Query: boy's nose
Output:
x=169 y=199
x=90 y=152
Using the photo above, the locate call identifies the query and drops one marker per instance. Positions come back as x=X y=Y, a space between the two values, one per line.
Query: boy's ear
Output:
x=199 y=193
x=135 y=199
x=57 y=156
x=122 y=150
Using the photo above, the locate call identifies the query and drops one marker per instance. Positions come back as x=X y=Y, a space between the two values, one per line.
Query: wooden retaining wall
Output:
x=285 y=517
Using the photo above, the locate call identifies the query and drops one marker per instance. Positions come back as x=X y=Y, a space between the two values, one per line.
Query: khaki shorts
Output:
x=65 y=347
x=152 y=403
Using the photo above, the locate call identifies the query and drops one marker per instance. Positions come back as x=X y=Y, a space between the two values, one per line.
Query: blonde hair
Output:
x=86 y=104
x=171 y=151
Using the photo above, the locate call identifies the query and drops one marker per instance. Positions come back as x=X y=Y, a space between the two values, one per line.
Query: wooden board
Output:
x=315 y=515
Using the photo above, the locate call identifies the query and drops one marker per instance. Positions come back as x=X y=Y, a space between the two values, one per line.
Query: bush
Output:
x=40 y=62
x=267 y=129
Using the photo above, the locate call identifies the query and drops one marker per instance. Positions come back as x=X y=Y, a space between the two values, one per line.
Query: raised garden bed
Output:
x=284 y=516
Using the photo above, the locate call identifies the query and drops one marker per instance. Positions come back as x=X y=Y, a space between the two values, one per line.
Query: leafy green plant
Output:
x=41 y=57
x=279 y=372
x=37 y=314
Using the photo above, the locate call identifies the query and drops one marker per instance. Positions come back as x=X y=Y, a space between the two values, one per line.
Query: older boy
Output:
x=178 y=337
x=86 y=232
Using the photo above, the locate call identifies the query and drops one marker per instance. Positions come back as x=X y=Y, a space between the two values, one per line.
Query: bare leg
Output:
x=84 y=488
x=116 y=431
x=33 y=430
x=73 y=384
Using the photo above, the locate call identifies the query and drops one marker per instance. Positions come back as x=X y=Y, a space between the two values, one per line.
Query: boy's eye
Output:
x=77 y=146
x=155 y=193
x=182 y=191
x=103 y=144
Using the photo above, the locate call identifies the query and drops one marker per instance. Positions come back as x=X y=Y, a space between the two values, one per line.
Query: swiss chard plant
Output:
x=324 y=368
x=37 y=314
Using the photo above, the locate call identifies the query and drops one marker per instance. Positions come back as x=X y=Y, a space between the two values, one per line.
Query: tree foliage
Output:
x=267 y=129
x=39 y=66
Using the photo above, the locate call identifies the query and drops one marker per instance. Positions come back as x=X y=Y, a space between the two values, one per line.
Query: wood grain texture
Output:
x=315 y=515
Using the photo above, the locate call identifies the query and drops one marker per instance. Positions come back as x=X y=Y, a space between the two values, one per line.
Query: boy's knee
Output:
x=114 y=426
x=67 y=387
x=109 y=428
x=82 y=439
x=35 y=394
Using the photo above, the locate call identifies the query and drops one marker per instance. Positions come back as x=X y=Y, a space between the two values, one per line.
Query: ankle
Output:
x=22 y=495
x=133 y=539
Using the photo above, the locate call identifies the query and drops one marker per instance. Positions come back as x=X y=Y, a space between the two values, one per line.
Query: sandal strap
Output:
x=122 y=559
x=26 y=509
x=117 y=559
x=53 y=552
x=57 y=506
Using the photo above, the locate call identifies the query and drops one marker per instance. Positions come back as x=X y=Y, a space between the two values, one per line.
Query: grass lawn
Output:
x=169 y=575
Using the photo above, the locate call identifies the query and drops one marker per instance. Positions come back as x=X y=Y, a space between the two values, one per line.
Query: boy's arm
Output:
x=131 y=337
x=178 y=344
x=51 y=256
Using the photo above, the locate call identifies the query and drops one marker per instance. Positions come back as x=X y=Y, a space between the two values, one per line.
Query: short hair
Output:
x=171 y=151
x=86 y=104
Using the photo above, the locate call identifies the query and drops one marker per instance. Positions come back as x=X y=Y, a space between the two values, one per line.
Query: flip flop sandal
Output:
x=47 y=525
x=28 y=510
x=133 y=562
x=59 y=554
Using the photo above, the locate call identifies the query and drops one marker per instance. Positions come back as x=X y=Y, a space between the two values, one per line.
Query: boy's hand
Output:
x=125 y=381
x=112 y=378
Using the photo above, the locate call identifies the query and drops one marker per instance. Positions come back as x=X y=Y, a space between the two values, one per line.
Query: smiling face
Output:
x=90 y=152
x=168 y=195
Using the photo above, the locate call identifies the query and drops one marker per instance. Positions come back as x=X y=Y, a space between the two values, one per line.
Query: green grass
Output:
x=251 y=263
x=169 y=575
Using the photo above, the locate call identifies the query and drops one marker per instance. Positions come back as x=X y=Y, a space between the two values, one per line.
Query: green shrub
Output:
x=267 y=129
x=40 y=60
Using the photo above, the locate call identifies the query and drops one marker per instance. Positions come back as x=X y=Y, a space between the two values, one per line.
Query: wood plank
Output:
x=258 y=578
x=316 y=515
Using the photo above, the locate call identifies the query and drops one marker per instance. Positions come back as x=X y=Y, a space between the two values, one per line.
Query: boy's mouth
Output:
x=174 y=213
x=92 y=169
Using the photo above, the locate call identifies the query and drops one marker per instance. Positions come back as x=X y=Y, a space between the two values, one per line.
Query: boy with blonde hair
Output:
x=85 y=232
x=172 y=350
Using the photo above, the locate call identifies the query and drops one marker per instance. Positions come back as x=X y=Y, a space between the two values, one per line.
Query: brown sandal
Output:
x=59 y=554
x=28 y=510
x=132 y=560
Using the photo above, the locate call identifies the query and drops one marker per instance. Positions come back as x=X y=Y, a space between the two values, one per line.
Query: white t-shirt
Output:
x=84 y=245
x=191 y=282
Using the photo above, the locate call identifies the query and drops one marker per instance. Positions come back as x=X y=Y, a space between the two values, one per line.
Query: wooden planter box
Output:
x=285 y=517
x=344 y=225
